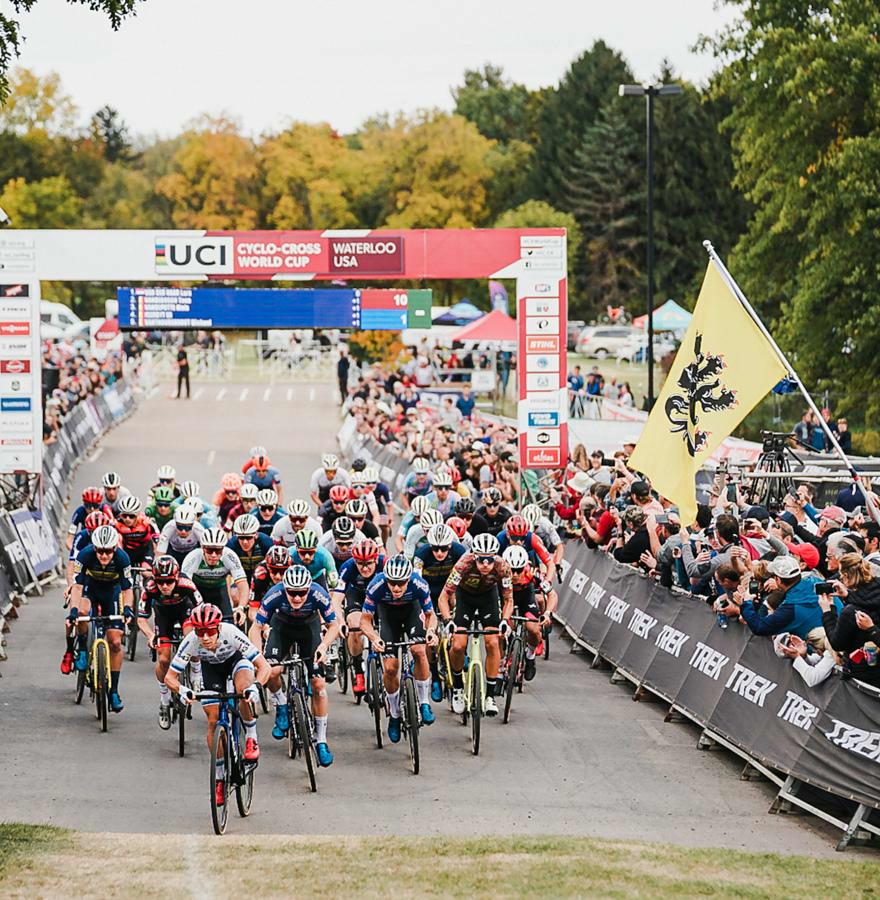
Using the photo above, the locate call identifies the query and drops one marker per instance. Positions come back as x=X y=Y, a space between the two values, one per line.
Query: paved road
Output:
x=578 y=758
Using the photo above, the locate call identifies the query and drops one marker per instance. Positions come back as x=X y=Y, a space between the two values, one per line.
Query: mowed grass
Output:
x=38 y=861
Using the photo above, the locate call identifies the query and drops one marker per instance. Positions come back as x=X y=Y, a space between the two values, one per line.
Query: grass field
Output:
x=37 y=861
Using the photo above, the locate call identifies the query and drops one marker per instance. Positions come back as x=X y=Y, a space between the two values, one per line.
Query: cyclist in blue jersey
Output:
x=249 y=544
x=418 y=483
x=349 y=595
x=410 y=519
x=406 y=612
x=92 y=499
x=265 y=476
x=294 y=609
x=318 y=560
x=266 y=511
x=442 y=497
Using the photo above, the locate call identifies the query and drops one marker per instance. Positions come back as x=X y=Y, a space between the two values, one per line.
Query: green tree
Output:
x=501 y=110
x=538 y=214
x=50 y=203
x=110 y=132
x=37 y=105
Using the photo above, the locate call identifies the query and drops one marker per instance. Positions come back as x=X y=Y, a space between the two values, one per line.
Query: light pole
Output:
x=649 y=92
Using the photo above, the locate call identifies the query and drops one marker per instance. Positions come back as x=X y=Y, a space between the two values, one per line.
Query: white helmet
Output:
x=441 y=536
x=166 y=473
x=130 y=505
x=329 y=462
x=105 y=537
x=213 y=537
x=299 y=509
x=398 y=568
x=486 y=544
x=429 y=518
x=421 y=466
x=245 y=525
x=516 y=557
x=195 y=504
x=111 y=480
x=371 y=475
x=184 y=515
x=258 y=451
x=531 y=512
x=356 y=508
x=419 y=505
x=248 y=491
x=297 y=578
x=189 y=489
x=443 y=478
x=267 y=497
x=358 y=478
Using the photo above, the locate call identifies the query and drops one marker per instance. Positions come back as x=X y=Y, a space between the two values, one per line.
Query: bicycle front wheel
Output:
x=301 y=723
x=80 y=685
x=343 y=665
x=220 y=772
x=411 y=713
x=515 y=660
x=131 y=638
x=546 y=631
x=102 y=683
x=476 y=706
x=244 y=792
x=375 y=674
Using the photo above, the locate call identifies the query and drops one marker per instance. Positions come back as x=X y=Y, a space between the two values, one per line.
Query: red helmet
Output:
x=517 y=527
x=365 y=551
x=261 y=461
x=96 y=519
x=339 y=493
x=458 y=525
x=278 y=557
x=165 y=568
x=206 y=617
x=93 y=496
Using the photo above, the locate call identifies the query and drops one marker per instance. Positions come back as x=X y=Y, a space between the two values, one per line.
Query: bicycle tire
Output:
x=512 y=677
x=546 y=632
x=132 y=639
x=244 y=792
x=343 y=665
x=476 y=711
x=301 y=723
x=102 y=668
x=411 y=720
x=219 y=750
x=80 y=685
x=264 y=702
x=181 y=729
x=375 y=673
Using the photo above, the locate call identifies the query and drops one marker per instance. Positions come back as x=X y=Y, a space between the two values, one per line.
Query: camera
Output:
x=774 y=441
x=824 y=587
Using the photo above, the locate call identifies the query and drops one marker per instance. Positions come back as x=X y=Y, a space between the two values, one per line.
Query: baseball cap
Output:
x=834 y=514
x=807 y=553
x=761 y=513
x=784 y=567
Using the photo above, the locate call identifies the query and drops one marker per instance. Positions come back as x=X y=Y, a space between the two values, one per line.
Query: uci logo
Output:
x=176 y=255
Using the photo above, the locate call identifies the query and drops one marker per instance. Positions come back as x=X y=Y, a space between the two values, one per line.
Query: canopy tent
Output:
x=497 y=327
x=459 y=314
x=668 y=317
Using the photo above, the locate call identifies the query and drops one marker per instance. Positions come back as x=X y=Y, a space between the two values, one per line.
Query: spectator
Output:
x=343 y=364
x=803 y=431
x=844 y=438
x=860 y=590
x=183 y=370
x=465 y=403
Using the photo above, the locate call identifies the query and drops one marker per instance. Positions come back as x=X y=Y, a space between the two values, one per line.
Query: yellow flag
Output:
x=723 y=368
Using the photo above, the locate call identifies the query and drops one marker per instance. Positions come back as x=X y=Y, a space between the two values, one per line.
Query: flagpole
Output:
x=731 y=283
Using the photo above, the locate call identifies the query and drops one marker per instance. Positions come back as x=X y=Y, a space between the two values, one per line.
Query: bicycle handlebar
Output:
x=220 y=695
x=100 y=618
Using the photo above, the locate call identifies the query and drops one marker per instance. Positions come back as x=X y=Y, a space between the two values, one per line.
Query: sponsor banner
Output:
x=15 y=366
x=729 y=681
x=15 y=329
x=544 y=458
x=37 y=539
x=13 y=309
x=542 y=363
x=15 y=404
x=14 y=557
x=12 y=385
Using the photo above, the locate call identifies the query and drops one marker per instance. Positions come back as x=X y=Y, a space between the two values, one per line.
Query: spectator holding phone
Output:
x=860 y=590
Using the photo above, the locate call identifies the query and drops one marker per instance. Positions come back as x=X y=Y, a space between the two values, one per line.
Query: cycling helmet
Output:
x=231 y=481
x=189 y=489
x=166 y=473
x=130 y=505
x=305 y=540
x=429 y=518
x=96 y=519
x=356 y=508
x=398 y=568
x=105 y=538
x=516 y=557
x=195 y=504
x=443 y=478
x=371 y=475
x=165 y=567
x=459 y=526
x=532 y=513
x=92 y=496
x=111 y=480
x=329 y=462
x=366 y=550
x=163 y=495
x=421 y=466
x=257 y=451
x=261 y=461
x=359 y=465
x=213 y=538
x=245 y=525
x=441 y=536
x=418 y=505
x=297 y=578
x=491 y=495
x=517 y=527
x=248 y=491
x=277 y=557
x=465 y=507
x=343 y=529
x=338 y=493
x=299 y=509
x=267 y=497
x=206 y=617
x=357 y=478
x=486 y=544
x=184 y=515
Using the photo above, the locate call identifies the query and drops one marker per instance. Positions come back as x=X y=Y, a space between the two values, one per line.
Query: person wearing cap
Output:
x=576 y=486
x=640 y=491
x=807 y=556
x=599 y=472
x=831 y=521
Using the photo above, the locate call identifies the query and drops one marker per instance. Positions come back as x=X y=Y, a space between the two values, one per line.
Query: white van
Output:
x=55 y=318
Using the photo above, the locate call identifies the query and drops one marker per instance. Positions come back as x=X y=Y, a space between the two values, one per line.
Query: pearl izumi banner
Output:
x=729 y=681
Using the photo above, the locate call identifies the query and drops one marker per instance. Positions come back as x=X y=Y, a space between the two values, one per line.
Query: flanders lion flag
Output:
x=723 y=368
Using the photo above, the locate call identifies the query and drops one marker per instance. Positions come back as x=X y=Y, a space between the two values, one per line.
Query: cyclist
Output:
x=318 y=560
x=102 y=578
x=204 y=514
x=253 y=453
x=383 y=500
x=405 y=601
x=462 y=535
x=475 y=582
x=417 y=536
x=356 y=510
x=92 y=499
x=169 y=598
x=269 y=572
x=113 y=490
x=466 y=510
x=360 y=491
x=340 y=538
x=159 y=507
x=249 y=544
x=138 y=533
x=325 y=477
x=334 y=507
x=299 y=517
x=517 y=533
x=545 y=530
x=265 y=476
x=434 y=561
x=189 y=490
x=349 y=593
x=442 y=496
x=227 y=497
x=181 y=535
x=418 y=483
x=209 y=566
x=410 y=518
x=492 y=511
x=225 y=653
x=267 y=510
x=247 y=497
x=294 y=610
x=166 y=476
x=526 y=582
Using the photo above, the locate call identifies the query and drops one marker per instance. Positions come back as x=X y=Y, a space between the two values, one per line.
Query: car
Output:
x=604 y=340
x=575 y=327
x=634 y=348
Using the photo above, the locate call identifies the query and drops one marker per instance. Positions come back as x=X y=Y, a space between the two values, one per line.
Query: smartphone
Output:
x=607 y=462
x=754 y=586
x=824 y=587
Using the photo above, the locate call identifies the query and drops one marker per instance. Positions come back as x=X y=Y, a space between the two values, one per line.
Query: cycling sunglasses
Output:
x=246 y=537
x=305 y=554
x=296 y=595
x=267 y=509
x=491 y=504
x=184 y=527
x=297 y=520
x=217 y=550
x=343 y=545
x=396 y=583
x=440 y=548
x=104 y=552
x=207 y=632
x=122 y=516
x=166 y=481
x=161 y=504
x=338 y=502
x=166 y=581
x=485 y=560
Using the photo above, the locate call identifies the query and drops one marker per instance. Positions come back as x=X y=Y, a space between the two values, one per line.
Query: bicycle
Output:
x=97 y=672
x=301 y=726
x=339 y=660
x=130 y=637
x=226 y=747
x=474 y=685
x=444 y=667
x=410 y=719
x=513 y=664
x=375 y=693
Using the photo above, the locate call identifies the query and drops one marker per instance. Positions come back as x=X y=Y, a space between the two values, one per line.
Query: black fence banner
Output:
x=14 y=557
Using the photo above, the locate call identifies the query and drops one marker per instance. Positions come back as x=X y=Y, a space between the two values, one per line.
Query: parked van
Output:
x=55 y=318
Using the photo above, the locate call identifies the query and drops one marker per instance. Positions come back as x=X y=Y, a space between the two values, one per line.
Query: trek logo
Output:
x=193 y=256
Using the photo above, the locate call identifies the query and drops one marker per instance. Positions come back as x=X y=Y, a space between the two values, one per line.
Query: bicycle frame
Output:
x=475 y=668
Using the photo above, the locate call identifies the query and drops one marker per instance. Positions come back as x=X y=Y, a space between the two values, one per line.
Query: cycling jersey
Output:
x=174 y=489
x=137 y=538
x=532 y=544
x=102 y=578
x=547 y=532
x=320 y=485
x=328 y=516
x=78 y=519
x=354 y=585
x=252 y=558
x=323 y=565
x=210 y=578
x=412 y=487
x=152 y=512
x=436 y=571
x=378 y=594
x=409 y=519
x=266 y=525
x=524 y=602
x=447 y=506
x=264 y=482
x=415 y=538
x=283 y=533
x=276 y=606
x=177 y=544
x=81 y=540
x=260 y=583
x=466 y=577
x=328 y=542
x=495 y=523
x=229 y=642
x=236 y=511
x=224 y=506
x=184 y=592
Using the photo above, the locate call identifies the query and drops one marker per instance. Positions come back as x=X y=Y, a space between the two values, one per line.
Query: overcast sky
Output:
x=269 y=61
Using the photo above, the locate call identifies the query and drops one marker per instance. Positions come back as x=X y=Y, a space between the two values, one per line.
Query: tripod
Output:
x=775 y=457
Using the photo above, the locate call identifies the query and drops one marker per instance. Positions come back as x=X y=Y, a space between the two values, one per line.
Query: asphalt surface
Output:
x=577 y=758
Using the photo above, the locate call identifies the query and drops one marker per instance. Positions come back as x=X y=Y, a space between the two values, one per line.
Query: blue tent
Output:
x=668 y=317
x=462 y=313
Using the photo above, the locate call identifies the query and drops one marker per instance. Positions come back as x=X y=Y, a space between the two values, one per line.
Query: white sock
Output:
x=195 y=665
x=164 y=694
x=321 y=729
x=394 y=704
x=250 y=727
x=530 y=652
x=423 y=689
x=278 y=698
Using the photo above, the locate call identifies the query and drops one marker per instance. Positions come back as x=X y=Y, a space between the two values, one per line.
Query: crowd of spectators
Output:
x=809 y=434
x=586 y=392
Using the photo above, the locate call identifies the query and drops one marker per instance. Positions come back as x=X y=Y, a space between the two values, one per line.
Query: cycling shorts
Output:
x=399 y=622
x=216 y=675
x=472 y=608
x=219 y=596
x=166 y=617
x=105 y=603
x=303 y=638
x=525 y=601
x=354 y=601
